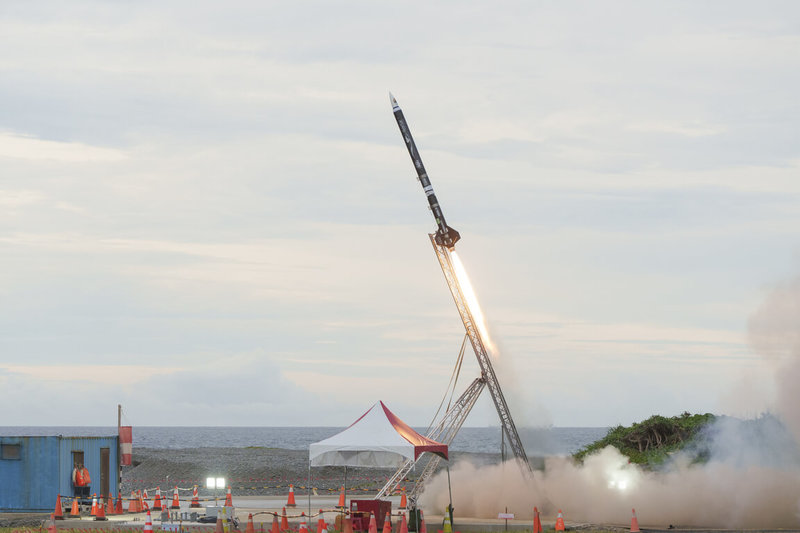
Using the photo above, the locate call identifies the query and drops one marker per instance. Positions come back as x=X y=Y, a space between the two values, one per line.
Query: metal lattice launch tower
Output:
x=445 y=430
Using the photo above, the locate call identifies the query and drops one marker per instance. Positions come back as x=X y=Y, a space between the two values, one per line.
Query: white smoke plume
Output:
x=751 y=478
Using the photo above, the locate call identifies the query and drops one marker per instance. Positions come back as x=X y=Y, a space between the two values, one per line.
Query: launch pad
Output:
x=445 y=429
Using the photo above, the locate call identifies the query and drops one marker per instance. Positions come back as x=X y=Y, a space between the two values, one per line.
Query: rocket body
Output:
x=445 y=235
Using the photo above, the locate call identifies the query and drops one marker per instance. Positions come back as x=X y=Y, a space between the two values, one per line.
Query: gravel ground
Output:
x=251 y=471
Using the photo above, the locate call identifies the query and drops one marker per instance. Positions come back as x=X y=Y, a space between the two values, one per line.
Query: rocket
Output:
x=445 y=235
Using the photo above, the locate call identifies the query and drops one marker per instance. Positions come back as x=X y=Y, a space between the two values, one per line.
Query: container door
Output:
x=104 y=456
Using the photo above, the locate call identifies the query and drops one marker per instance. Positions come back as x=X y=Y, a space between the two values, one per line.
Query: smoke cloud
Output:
x=750 y=478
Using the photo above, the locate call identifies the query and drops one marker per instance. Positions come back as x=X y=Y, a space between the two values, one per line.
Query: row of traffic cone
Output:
x=136 y=504
x=322 y=526
x=176 y=502
x=537 y=523
x=99 y=509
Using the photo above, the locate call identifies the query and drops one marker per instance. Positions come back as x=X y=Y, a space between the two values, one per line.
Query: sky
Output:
x=208 y=215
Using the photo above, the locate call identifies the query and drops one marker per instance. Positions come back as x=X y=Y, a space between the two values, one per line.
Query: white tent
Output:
x=377 y=439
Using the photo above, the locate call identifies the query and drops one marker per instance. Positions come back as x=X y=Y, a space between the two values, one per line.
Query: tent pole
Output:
x=344 y=509
x=308 y=484
x=449 y=510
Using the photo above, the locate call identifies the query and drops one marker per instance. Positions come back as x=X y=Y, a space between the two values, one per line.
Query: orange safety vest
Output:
x=79 y=477
x=85 y=474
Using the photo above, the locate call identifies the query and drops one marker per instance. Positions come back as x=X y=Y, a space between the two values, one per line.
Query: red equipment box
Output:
x=360 y=511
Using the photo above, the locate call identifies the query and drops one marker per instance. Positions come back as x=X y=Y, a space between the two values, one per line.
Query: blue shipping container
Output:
x=35 y=470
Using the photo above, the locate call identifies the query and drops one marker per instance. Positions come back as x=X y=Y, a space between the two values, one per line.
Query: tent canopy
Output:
x=377 y=439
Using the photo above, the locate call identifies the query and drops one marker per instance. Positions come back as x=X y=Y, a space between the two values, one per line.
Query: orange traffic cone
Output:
x=51 y=527
x=110 y=505
x=303 y=526
x=320 y=522
x=634 y=522
x=387 y=524
x=93 y=511
x=422 y=527
x=290 y=502
x=157 y=501
x=101 y=510
x=145 y=497
x=75 y=512
x=284 y=521
x=118 y=509
x=403 y=524
x=59 y=512
x=275 y=527
x=250 y=527
x=403 y=499
x=219 y=528
x=373 y=525
x=229 y=498
x=176 y=502
x=341 y=504
x=148 y=525
x=537 y=522
x=195 y=498
x=560 y=521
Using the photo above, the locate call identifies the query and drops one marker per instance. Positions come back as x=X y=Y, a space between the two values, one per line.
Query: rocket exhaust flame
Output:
x=472 y=302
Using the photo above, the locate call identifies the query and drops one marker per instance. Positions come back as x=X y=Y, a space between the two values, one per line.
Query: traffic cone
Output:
x=284 y=521
x=93 y=511
x=176 y=502
x=229 y=498
x=195 y=498
x=373 y=525
x=110 y=505
x=560 y=521
x=422 y=527
x=219 y=524
x=145 y=497
x=59 y=512
x=133 y=503
x=275 y=527
x=148 y=525
x=250 y=527
x=157 y=501
x=403 y=524
x=303 y=526
x=537 y=522
x=341 y=504
x=290 y=502
x=403 y=499
x=447 y=527
x=634 y=522
x=101 y=510
x=51 y=527
x=75 y=512
x=387 y=524
x=320 y=522
x=348 y=525
x=119 y=509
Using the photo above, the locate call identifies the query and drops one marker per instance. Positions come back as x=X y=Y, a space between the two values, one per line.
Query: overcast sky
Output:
x=208 y=215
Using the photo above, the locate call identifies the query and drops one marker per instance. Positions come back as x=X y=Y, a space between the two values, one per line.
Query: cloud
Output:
x=19 y=146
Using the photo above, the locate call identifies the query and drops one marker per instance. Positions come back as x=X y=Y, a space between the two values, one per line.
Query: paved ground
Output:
x=263 y=507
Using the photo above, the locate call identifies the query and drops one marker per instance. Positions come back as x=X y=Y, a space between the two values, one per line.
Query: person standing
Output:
x=81 y=480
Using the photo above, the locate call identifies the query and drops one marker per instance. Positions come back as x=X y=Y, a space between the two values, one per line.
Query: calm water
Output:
x=485 y=439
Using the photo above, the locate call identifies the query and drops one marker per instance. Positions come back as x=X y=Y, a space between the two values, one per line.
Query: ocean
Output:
x=552 y=441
